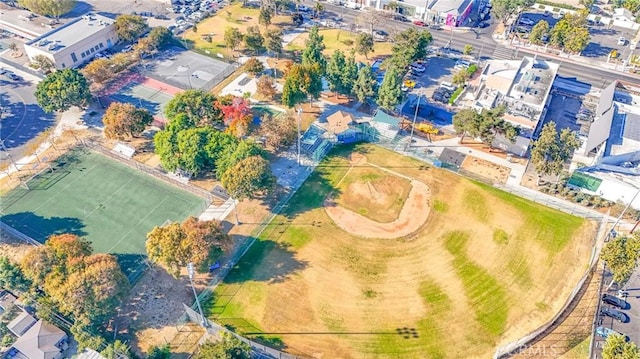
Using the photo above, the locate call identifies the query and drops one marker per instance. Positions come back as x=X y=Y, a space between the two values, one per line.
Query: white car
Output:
x=417 y=67
x=526 y=21
x=622 y=41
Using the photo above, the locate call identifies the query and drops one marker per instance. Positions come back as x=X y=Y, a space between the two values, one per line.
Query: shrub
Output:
x=472 y=69
x=455 y=95
x=348 y=42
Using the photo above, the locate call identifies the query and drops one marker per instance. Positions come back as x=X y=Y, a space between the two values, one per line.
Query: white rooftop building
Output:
x=76 y=42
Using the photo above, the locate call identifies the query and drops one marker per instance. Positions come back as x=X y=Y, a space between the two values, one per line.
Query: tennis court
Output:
x=143 y=96
x=110 y=204
x=585 y=181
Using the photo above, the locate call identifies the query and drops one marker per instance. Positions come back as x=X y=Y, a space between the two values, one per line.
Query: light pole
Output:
x=299 y=135
x=413 y=125
x=191 y=270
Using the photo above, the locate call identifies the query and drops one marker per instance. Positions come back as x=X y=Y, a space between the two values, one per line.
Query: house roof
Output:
x=339 y=122
x=7 y=300
x=89 y=354
x=40 y=341
x=632 y=127
x=20 y=324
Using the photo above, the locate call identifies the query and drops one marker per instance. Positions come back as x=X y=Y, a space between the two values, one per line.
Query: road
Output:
x=487 y=48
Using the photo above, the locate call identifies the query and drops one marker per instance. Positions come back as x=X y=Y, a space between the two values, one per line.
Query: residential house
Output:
x=41 y=341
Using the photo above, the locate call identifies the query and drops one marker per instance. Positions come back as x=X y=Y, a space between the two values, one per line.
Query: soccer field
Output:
x=90 y=195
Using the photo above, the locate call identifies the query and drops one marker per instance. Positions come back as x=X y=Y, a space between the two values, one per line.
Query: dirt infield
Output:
x=412 y=216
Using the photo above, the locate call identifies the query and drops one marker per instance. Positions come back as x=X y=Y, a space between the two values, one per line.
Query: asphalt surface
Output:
x=487 y=48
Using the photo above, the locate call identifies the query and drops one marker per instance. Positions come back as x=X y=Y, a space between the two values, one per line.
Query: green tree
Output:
x=312 y=53
x=552 y=150
x=84 y=334
x=199 y=106
x=390 y=93
x=192 y=155
x=265 y=17
x=177 y=244
x=335 y=66
x=254 y=66
x=160 y=37
x=466 y=122
x=578 y=41
x=53 y=8
x=460 y=77
x=409 y=45
x=231 y=155
x=228 y=347
x=274 y=42
x=621 y=255
x=494 y=125
x=617 y=347
x=11 y=276
x=232 y=38
x=163 y=352
x=116 y=350
x=61 y=90
x=538 y=31
x=124 y=121
x=364 y=44
x=318 y=8
x=349 y=75
x=587 y=4
x=249 y=178
x=130 y=27
x=301 y=82
x=503 y=9
x=468 y=49
x=365 y=85
x=253 y=39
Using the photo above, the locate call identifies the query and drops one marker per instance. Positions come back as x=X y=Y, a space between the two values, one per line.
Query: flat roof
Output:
x=534 y=81
x=71 y=33
x=449 y=6
x=632 y=127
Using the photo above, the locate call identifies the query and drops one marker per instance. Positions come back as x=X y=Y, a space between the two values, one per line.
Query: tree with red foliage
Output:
x=236 y=114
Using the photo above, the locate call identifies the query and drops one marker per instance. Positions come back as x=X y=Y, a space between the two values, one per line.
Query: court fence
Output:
x=5 y=228
x=152 y=171
x=207 y=86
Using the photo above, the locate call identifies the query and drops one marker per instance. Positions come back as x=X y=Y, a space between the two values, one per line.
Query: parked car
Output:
x=526 y=21
x=3 y=71
x=419 y=23
x=379 y=35
x=398 y=17
x=303 y=8
x=416 y=67
x=13 y=76
x=615 y=301
x=615 y=314
x=622 y=41
x=484 y=24
x=604 y=332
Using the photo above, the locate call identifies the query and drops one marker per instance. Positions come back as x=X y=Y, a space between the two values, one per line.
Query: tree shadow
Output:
x=22 y=122
x=595 y=50
x=41 y=228
x=132 y=265
x=265 y=261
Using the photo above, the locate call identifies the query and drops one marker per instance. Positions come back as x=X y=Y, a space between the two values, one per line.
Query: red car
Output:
x=419 y=23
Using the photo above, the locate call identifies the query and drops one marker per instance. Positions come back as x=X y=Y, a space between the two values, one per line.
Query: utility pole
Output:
x=191 y=270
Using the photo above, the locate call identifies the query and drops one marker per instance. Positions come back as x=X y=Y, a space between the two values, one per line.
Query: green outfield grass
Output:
x=90 y=195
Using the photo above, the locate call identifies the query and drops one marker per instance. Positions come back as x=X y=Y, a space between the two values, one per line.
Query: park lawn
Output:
x=335 y=39
x=471 y=279
x=215 y=26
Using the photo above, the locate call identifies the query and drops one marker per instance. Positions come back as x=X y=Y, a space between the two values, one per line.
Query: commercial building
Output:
x=76 y=42
x=523 y=86
x=447 y=12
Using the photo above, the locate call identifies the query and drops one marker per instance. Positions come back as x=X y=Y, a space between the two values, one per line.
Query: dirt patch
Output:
x=486 y=169
x=413 y=215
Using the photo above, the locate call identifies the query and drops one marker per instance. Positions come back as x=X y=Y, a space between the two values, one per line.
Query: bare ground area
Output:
x=486 y=169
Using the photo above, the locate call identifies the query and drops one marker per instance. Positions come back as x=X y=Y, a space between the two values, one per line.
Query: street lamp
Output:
x=413 y=125
x=191 y=270
x=299 y=136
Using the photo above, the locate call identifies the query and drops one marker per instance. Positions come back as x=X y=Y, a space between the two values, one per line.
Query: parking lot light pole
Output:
x=299 y=135
x=191 y=270
x=413 y=125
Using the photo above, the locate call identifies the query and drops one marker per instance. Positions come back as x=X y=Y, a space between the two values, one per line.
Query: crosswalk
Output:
x=502 y=53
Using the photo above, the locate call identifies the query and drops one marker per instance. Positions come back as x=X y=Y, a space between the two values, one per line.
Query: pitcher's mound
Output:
x=412 y=216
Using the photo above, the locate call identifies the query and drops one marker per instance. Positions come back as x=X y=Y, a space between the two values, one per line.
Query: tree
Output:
x=13 y=47
x=364 y=44
x=617 y=347
x=621 y=256
x=410 y=45
x=199 y=106
x=390 y=93
x=11 y=276
x=538 y=31
x=61 y=90
x=369 y=18
x=53 y=8
x=365 y=85
x=98 y=71
x=266 y=86
x=318 y=8
x=160 y=36
x=116 y=350
x=44 y=63
x=312 y=53
x=301 y=81
x=82 y=332
x=570 y=33
x=232 y=155
x=493 y=125
x=228 y=347
x=249 y=178
x=163 y=352
x=578 y=41
x=264 y=18
x=335 y=66
x=503 y=9
x=253 y=38
x=587 y=4
x=279 y=131
x=552 y=150
x=349 y=75
x=232 y=38
x=274 y=41
x=254 y=66
x=177 y=244
x=467 y=123
x=237 y=114
x=460 y=77
x=130 y=27
x=468 y=49
x=124 y=121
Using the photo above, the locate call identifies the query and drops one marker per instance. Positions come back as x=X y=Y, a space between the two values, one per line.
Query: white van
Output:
x=352 y=5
